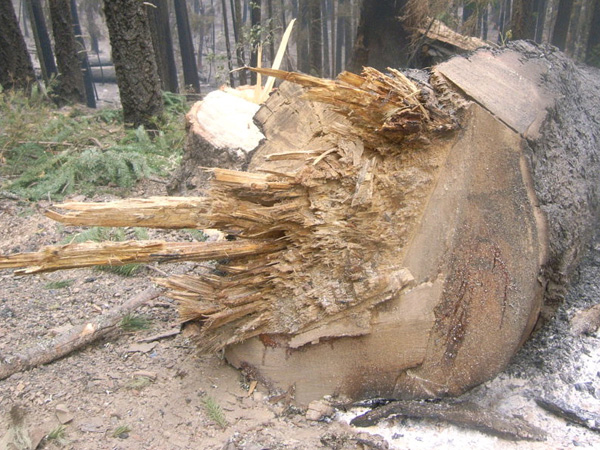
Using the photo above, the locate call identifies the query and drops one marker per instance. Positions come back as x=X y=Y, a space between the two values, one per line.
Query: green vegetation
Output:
x=138 y=383
x=48 y=152
x=122 y=431
x=57 y=435
x=214 y=412
x=132 y=322
x=126 y=270
x=60 y=284
x=197 y=235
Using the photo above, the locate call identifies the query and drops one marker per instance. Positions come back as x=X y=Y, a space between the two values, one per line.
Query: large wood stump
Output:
x=392 y=238
x=505 y=206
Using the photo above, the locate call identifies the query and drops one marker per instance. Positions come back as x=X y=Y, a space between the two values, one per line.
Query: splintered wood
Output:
x=319 y=244
x=153 y=212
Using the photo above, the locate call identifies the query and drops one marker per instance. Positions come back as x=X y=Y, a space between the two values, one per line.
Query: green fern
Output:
x=50 y=153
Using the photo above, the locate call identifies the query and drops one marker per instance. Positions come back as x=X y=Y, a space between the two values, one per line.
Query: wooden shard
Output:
x=88 y=254
x=153 y=212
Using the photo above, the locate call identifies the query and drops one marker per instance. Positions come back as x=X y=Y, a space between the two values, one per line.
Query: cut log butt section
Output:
x=389 y=237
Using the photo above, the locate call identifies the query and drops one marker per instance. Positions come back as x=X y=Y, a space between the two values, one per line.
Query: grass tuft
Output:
x=61 y=284
x=100 y=234
x=131 y=322
x=215 y=412
x=58 y=435
x=126 y=270
x=138 y=383
x=122 y=431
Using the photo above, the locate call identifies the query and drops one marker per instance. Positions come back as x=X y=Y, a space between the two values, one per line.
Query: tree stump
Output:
x=219 y=133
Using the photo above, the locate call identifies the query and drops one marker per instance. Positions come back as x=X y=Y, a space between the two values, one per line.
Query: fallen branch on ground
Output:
x=570 y=413
x=465 y=415
x=76 y=338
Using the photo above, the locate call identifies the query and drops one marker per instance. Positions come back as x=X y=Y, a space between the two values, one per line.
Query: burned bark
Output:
x=16 y=70
x=70 y=88
x=135 y=65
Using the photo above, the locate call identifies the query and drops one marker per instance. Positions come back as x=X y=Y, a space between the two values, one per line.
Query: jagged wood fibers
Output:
x=71 y=256
x=315 y=244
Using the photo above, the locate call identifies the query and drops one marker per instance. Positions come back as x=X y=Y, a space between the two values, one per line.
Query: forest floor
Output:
x=163 y=393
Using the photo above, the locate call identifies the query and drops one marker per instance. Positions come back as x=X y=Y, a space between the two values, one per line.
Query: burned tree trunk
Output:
x=16 y=70
x=393 y=238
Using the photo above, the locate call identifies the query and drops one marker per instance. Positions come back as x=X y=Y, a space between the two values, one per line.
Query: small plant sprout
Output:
x=122 y=432
x=60 y=284
x=214 y=412
x=132 y=322
x=57 y=435
x=138 y=383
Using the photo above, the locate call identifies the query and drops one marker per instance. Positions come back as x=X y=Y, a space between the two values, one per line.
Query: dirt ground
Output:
x=159 y=390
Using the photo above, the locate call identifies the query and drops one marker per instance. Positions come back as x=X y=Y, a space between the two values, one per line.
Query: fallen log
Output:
x=465 y=415
x=75 y=338
x=411 y=229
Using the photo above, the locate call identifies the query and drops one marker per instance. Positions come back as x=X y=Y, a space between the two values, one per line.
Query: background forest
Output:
x=200 y=41
x=76 y=52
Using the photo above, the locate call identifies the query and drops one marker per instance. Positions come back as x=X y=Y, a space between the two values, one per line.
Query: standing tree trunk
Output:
x=70 y=87
x=135 y=65
x=302 y=39
x=271 y=38
x=201 y=35
x=579 y=28
x=162 y=42
x=255 y=33
x=540 y=11
x=42 y=39
x=227 y=43
x=381 y=40
x=325 y=5
x=91 y=9
x=314 y=38
x=340 y=35
x=561 y=26
x=523 y=20
x=188 y=59
x=239 y=40
x=88 y=82
x=593 y=44
x=16 y=70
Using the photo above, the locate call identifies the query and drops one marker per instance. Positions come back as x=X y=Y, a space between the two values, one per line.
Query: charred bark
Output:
x=42 y=39
x=16 y=70
x=135 y=64
x=70 y=88
x=162 y=43
x=381 y=40
x=256 y=33
x=188 y=59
